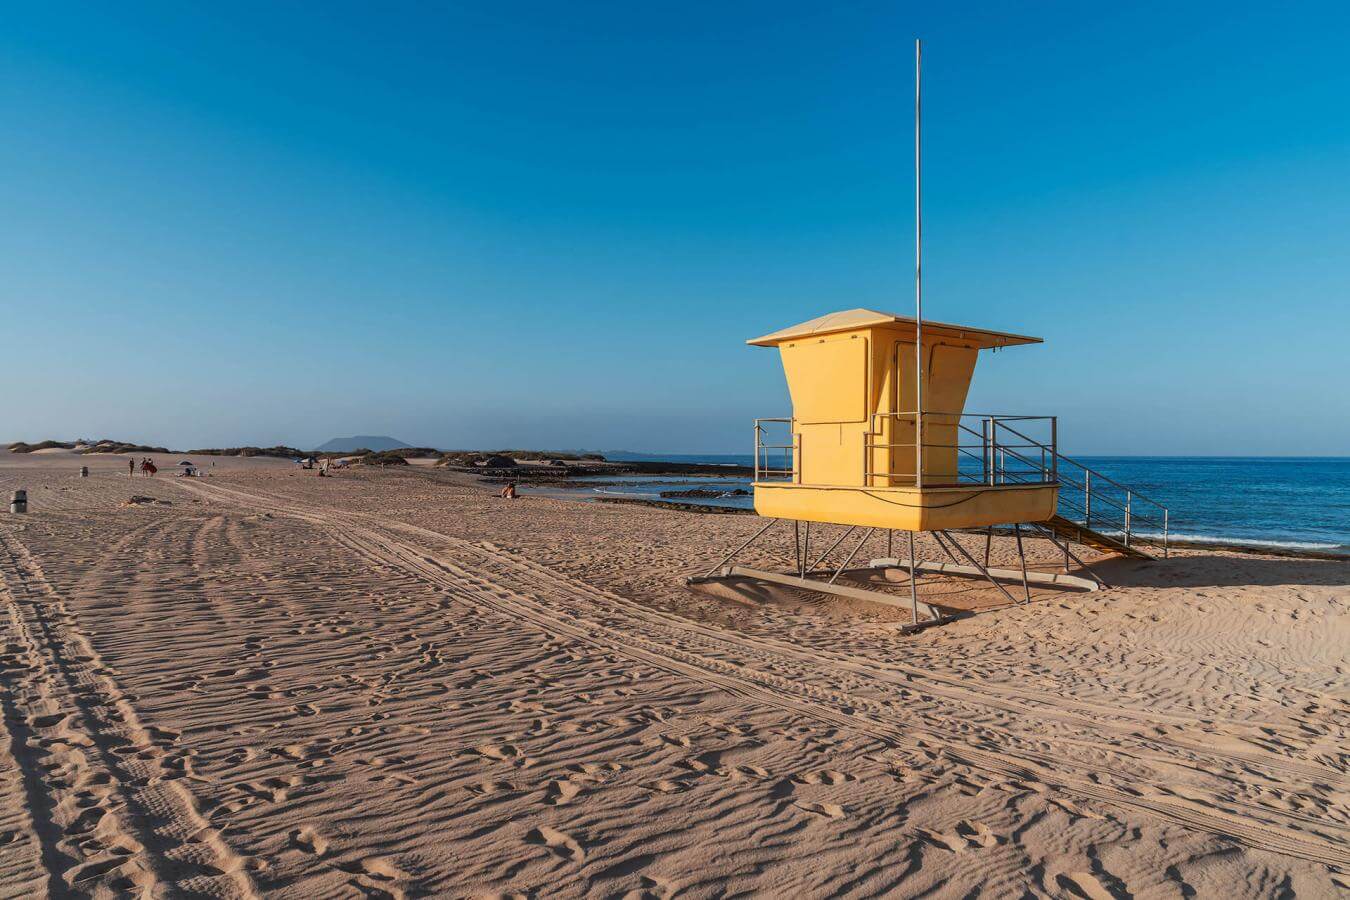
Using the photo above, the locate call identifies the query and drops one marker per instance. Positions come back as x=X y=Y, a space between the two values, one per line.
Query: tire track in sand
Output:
x=110 y=812
x=558 y=610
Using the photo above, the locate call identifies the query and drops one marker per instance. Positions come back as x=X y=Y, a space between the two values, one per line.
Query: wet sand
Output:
x=391 y=683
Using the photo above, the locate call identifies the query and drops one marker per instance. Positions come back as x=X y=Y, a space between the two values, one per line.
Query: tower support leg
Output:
x=913 y=582
x=938 y=537
x=806 y=547
x=734 y=553
x=811 y=568
x=1069 y=554
x=983 y=570
x=797 y=545
x=848 y=559
x=1022 y=557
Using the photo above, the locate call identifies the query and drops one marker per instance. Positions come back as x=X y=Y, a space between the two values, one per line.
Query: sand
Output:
x=390 y=683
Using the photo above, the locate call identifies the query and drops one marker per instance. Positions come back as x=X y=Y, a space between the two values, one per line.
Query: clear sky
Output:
x=554 y=224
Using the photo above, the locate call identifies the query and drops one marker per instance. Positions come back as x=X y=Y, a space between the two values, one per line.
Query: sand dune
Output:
x=392 y=684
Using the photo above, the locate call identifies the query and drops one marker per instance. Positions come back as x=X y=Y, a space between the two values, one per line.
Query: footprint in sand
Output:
x=676 y=740
x=828 y=810
x=652 y=888
x=596 y=771
x=309 y=840
x=163 y=735
x=501 y=752
x=562 y=845
x=374 y=867
x=97 y=869
x=376 y=878
x=562 y=792
x=946 y=841
x=825 y=776
x=277 y=790
x=1083 y=884
x=508 y=753
x=49 y=721
x=966 y=835
x=1071 y=808
x=977 y=834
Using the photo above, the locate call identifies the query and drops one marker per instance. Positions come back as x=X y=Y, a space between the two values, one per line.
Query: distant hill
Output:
x=362 y=442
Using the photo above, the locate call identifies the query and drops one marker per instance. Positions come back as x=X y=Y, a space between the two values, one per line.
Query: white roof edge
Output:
x=849 y=319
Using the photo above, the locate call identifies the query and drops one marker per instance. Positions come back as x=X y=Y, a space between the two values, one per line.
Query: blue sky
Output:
x=554 y=225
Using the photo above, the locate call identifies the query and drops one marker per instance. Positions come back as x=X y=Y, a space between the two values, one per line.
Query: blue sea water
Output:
x=1289 y=502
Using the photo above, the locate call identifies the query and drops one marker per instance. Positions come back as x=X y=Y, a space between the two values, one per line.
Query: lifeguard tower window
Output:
x=841 y=394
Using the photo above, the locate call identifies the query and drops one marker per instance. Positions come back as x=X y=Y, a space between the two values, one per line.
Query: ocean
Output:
x=1297 y=503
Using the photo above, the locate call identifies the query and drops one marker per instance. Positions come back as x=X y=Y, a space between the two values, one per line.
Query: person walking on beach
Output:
x=131 y=467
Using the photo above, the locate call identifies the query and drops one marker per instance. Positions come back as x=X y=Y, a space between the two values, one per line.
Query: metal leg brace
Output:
x=983 y=571
x=1050 y=535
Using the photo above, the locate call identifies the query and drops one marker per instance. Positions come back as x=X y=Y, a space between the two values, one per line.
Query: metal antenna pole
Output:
x=918 y=274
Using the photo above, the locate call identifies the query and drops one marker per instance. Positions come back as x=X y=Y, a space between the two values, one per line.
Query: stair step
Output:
x=1070 y=530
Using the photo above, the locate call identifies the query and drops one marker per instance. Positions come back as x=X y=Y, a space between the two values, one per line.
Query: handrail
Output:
x=993 y=454
x=790 y=464
x=1127 y=527
x=1106 y=478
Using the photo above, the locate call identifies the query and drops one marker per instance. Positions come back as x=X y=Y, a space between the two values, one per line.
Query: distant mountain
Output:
x=362 y=442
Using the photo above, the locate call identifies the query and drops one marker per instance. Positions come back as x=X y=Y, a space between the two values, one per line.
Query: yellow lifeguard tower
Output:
x=879 y=438
x=862 y=453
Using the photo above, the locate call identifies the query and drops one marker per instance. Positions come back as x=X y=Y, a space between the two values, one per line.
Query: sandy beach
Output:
x=390 y=683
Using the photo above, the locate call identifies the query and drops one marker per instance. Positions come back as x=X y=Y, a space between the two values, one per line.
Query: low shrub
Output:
x=21 y=447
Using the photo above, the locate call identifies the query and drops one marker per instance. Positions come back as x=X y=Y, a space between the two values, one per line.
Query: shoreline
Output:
x=1181 y=543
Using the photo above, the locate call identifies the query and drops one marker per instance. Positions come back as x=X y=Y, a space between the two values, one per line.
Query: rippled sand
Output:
x=391 y=683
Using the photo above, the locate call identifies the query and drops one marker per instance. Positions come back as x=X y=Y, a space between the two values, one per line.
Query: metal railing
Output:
x=988 y=456
x=787 y=468
x=1104 y=505
x=990 y=450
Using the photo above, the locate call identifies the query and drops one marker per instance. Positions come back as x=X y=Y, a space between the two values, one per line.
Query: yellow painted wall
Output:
x=837 y=384
x=828 y=379
x=908 y=508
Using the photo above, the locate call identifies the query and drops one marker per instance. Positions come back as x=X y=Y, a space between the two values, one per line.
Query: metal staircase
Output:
x=1070 y=530
x=1094 y=510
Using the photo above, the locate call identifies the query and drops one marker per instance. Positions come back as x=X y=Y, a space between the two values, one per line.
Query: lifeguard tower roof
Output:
x=850 y=319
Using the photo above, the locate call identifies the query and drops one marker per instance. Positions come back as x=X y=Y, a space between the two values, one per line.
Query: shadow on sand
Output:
x=1222 y=571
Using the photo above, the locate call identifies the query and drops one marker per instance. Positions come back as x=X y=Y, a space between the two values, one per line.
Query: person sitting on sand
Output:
x=509 y=492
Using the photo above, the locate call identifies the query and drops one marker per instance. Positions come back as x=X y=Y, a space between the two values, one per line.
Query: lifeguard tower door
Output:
x=948 y=368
